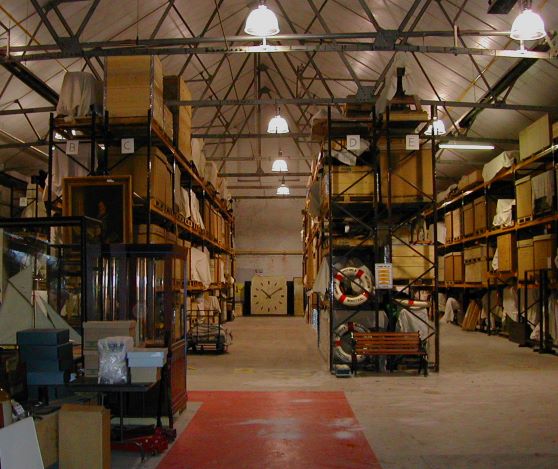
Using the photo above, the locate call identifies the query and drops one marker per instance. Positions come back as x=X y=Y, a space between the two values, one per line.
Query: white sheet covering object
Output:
x=80 y=91
x=445 y=194
x=321 y=282
x=509 y=303
x=199 y=269
x=211 y=173
x=452 y=308
x=195 y=210
x=415 y=321
x=542 y=191
x=197 y=150
x=504 y=213
x=502 y=161
x=64 y=166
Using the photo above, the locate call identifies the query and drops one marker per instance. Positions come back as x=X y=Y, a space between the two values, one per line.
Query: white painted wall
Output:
x=268 y=225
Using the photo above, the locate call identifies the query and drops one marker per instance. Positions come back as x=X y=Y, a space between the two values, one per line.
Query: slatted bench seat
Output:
x=390 y=344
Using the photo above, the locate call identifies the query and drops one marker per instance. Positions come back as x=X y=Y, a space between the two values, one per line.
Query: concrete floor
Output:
x=493 y=405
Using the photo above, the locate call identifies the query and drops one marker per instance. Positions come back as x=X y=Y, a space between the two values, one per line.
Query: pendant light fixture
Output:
x=528 y=26
x=261 y=22
x=283 y=189
x=278 y=125
x=280 y=165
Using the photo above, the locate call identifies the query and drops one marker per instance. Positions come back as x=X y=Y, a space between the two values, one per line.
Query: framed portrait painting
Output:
x=105 y=198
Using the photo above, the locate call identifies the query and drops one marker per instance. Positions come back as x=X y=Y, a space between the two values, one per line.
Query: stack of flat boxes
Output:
x=48 y=356
x=93 y=331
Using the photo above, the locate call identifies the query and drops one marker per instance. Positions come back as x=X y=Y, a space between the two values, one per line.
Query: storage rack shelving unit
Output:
x=503 y=185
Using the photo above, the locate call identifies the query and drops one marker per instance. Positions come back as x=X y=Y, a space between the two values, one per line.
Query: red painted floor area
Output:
x=271 y=430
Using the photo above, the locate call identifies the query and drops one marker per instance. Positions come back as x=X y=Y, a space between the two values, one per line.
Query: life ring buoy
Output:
x=342 y=346
x=360 y=284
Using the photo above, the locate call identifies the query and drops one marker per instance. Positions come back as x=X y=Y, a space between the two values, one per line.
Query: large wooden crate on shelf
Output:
x=351 y=183
x=157 y=234
x=456 y=223
x=468 y=220
x=507 y=253
x=411 y=262
x=168 y=122
x=543 y=191
x=535 y=137
x=544 y=251
x=133 y=86
x=136 y=166
x=476 y=272
x=411 y=179
x=441 y=268
x=484 y=211
x=448 y=222
x=523 y=198
x=525 y=258
x=448 y=267
x=176 y=89
x=458 y=267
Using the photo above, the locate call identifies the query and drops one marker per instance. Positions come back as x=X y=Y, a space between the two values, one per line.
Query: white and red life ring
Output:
x=342 y=337
x=360 y=284
x=413 y=304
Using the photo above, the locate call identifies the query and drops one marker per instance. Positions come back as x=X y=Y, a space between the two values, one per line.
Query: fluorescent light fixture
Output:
x=528 y=26
x=283 y=190
x=438 y=126
x=278 y=125
x=261 y=22
x=279 y=166
x=467 y=146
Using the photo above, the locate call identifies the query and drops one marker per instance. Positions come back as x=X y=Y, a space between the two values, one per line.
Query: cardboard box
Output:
x=145 y=374
x=411 y=179
x=350 y=181
x=175 y=89
x=544 y=251
x=468 y=220
x=409 y=263
x=457 y=223
x=43 y=336
x=535 y=137
x=84 y=437
x=475 y=178
x=46 y=352
x=484 y=210
x=523 y=198
x=95 y=330
x=136 y=166
x=525 y=258
x=47 y=435
x=507 y=253
x=157 y=234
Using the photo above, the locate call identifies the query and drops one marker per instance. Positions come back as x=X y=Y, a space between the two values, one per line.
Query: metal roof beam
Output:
x=30 y=110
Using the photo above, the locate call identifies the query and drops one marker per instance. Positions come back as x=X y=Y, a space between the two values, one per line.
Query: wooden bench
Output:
x=390 y=344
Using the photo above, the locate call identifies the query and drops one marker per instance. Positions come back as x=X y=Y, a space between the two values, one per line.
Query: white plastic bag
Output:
x=113 y=368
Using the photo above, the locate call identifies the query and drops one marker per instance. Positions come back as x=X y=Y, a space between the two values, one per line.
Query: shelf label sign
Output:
x=384 y=276
x=353 y=142
x=72 y=147
x=412 y=142
x=127 y=146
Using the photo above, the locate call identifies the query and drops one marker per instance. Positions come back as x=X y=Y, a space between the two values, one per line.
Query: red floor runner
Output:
x=271 y=430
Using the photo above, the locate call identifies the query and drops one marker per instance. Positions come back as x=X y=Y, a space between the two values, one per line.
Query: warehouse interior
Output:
x=276 y=233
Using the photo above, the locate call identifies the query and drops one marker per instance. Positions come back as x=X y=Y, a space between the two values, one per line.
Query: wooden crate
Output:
x=458 y=267
x=507 y=253
x=523 y=198
x=525 y=258
x=476 y=272
x=351 y=183
x=456 y=223
x=136 y=166
x=474 y=253
x=448 y=267
x=468 y=220
x=475 y=178
x=157 y=234
x=544 y=251
x=411 y=171
x=484 y=211
x=535 y=137
x=409 y=264
x=176 y=89
x=168 y=122
x=133 y=86
x=449 y=226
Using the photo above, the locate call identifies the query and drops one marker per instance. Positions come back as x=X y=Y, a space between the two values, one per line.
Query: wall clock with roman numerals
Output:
x=268 y=295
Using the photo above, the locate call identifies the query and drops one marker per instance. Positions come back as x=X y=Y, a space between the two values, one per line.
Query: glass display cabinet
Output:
x=147 y=283
x=50 y=275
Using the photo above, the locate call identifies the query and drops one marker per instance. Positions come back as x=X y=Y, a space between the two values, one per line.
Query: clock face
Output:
x=268 y=295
